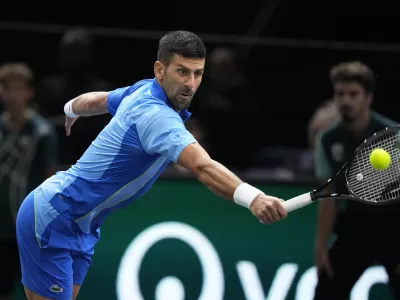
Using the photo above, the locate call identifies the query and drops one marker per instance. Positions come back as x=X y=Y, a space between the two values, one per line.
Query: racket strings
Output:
x=376 y=185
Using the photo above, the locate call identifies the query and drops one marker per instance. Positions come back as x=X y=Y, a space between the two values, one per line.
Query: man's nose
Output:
x=190 y=82
x=346 y=99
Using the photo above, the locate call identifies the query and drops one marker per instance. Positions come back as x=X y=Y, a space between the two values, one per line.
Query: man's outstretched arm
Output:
x=161 y=131
x=224 y=183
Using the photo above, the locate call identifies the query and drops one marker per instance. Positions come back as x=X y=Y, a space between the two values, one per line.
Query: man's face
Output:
x=181 y=79
x=16 y=94
x=352 y=100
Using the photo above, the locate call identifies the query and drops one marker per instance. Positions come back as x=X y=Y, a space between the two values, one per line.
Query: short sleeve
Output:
x=323 y=169
x=115 y=98
x=164 y=134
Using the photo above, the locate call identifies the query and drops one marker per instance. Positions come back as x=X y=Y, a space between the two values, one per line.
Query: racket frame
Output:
x=315 y=194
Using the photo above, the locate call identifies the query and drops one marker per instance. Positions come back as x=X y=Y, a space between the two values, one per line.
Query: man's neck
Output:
x=361 y=123
x=159 y=83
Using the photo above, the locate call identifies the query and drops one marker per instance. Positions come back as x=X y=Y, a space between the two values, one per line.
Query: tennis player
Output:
x=58 y=224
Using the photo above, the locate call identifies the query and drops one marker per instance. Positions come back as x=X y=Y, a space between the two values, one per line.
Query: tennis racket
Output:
x=363 y=182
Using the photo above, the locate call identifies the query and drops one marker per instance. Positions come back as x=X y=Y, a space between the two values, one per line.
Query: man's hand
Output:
x=322 y=261
x=268 y=209
x=68 y=124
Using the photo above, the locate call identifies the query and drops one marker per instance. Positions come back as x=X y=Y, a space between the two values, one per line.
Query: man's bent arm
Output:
x=88 y=104
x=327 y=212
x=327 y=208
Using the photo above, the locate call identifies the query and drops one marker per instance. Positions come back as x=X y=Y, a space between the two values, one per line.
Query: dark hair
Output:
x=17 y=70
x=183 y=43
x=354 y=71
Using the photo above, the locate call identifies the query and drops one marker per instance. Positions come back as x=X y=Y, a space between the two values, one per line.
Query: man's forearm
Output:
x=327 y=211
x=227 y=185
x=219 y=179
x=89 y=104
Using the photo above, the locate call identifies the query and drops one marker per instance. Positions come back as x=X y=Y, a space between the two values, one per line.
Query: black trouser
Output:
x=351 y=255
x=10 y=266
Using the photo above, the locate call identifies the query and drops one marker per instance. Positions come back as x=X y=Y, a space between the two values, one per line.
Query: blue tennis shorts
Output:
x=54 y=252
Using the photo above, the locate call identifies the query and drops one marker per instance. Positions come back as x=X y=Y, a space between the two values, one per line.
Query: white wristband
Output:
x=245 y=194
x=68 y=109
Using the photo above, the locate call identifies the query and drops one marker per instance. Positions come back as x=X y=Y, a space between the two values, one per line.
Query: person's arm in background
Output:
x=161 y=131
x=92 y=104
x=327 y=209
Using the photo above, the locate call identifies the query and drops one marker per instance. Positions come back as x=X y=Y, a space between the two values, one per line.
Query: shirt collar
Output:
x=159 y=93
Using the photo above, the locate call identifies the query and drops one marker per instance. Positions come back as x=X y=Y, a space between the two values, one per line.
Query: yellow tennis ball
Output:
x=379 y=159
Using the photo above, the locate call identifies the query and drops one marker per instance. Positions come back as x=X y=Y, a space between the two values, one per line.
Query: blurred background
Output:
x=257 y=112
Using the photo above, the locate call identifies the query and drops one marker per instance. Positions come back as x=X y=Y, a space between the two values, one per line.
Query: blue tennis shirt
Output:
x=122 y=163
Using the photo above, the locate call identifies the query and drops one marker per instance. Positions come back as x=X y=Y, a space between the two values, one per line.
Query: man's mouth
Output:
x=186 y=95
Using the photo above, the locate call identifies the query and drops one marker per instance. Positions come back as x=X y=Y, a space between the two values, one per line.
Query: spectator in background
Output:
x=27 y=157
x=76 y=57
x=323 y=117
x=364 y=234
x=227 y=110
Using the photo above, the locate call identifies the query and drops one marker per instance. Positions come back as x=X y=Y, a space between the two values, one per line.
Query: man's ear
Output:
x=159 y=69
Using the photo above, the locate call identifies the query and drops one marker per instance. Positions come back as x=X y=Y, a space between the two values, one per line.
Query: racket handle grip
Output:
x=297 y=202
